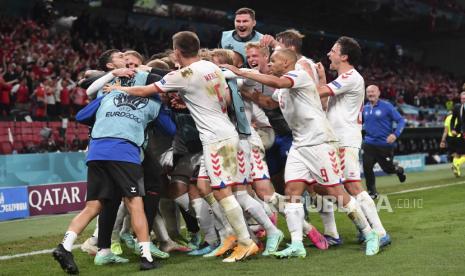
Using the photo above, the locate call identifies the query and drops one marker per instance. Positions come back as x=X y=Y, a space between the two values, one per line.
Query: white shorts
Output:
x=350 y=164
x=313 y=164
x=224 y=163
x=258 y=166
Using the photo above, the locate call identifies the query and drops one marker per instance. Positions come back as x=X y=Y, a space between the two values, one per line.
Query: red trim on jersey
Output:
x=330 y=185
x=158 y=88
x=289 y=78
x=203 y=177
x=351 y=181
x=259 y=179
x=300 y=180
x=330 y=90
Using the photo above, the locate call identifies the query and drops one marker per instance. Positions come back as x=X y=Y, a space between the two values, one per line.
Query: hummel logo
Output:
x=133 y=189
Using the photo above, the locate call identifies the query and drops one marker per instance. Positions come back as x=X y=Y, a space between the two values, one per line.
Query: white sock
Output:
x=183 y=202
x=275 y=202
x=145 y=251
x=160 y=229
x=169 y=213
x=355 y=213
x=68 y=240
x=265 y=206
x=126 y=225
x=93 y=240
x=233 y=212
x=369 y=209
x=221 y=222
x=294 y=218
x=204 y=215
x=307 y=227
x=120 y=215
x=95 y=234
x=103 y=252
x=327 y=217
x=255 y=209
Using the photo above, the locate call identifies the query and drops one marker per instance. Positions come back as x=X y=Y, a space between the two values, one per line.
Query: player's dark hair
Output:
x=291 y=37
x=105 y=58
x=187 y=42
x=351 y=48
x=246 y=10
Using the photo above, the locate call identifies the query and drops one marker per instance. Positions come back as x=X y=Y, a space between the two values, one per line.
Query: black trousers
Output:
x=384 y=156
x=109 y=211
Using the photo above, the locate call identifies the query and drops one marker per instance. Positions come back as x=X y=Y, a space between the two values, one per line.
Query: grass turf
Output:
x=427 y=228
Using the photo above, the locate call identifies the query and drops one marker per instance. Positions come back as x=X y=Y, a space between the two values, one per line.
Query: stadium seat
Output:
x=6 y=148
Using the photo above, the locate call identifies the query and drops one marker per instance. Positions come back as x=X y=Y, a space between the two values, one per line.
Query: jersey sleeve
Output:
x=275 y=95
x=172 y=81
x=344 y=83
x=298 y=78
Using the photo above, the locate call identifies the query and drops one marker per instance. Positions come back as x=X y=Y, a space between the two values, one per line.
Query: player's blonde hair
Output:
x=158 y=64
x=134 y=54
x=224 y=56
x=256 y=45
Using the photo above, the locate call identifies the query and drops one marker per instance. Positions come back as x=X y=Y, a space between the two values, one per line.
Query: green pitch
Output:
x=427 y=228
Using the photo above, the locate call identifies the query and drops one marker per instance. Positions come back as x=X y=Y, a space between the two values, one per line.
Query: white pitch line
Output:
x=46 y=251
x=426 y=188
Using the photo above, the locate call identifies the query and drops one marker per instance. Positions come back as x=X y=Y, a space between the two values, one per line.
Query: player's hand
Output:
x=177 y=102
x=320 y=69
x=247 y=94
x=231 y=68
x=454 y=133
x=123 y=72
x=108 y=88
x=268 y=41
x=442 y=145
x=391 y=139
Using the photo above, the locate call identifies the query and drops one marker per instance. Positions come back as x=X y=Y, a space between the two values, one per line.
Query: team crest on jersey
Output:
x=130 y=101
x=335 y=83
x=187 y=73
x=229 y=46
x=126 y=82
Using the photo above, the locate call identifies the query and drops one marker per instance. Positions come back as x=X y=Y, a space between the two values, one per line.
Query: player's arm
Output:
x=443 y=138
x=140 y=91
x=259 y=99
x=399 y=120
x=268 y=80
x=99 y=83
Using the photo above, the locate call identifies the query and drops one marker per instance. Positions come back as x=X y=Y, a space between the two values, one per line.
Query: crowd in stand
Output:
x=41 y=66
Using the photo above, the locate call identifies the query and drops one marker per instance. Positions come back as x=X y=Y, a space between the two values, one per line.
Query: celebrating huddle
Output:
x=232 y=129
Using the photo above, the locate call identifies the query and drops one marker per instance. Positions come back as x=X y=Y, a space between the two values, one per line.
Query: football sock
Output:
x=255 y=209
x=355 y=213
x=205 y=217
x=145 y=251
x=68 y=240
x=369 y=209
x=294 y=218
x=235 y=217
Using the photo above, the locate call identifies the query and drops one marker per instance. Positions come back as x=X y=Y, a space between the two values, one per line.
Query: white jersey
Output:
x=345 y=108
x=312 y=65
x=301 y=107
x=203 y=88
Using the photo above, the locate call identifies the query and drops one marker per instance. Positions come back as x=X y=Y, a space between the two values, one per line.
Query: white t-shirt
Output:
x=312 y=65
x=345 y=108
x=301 y=107
x=203 y=88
